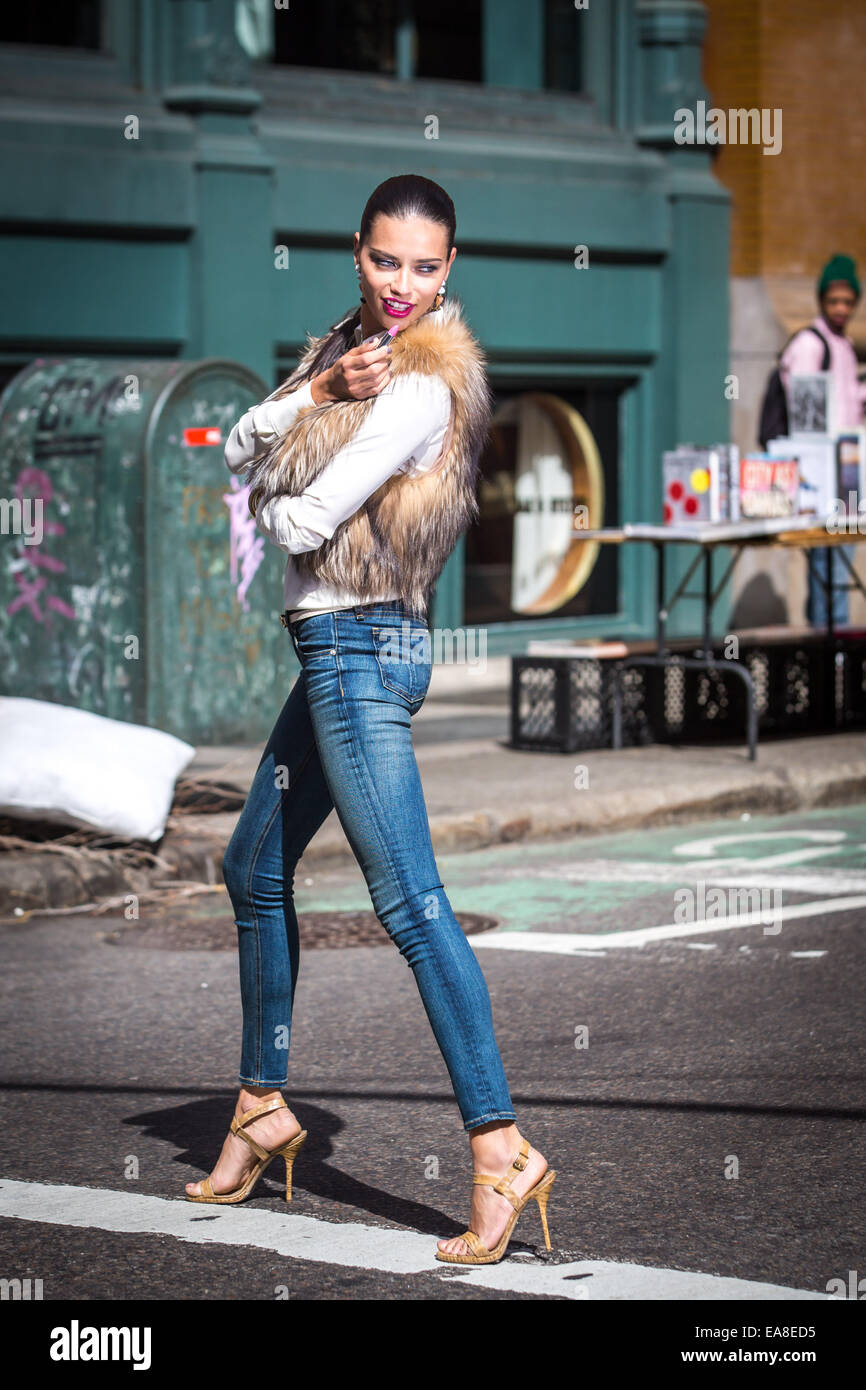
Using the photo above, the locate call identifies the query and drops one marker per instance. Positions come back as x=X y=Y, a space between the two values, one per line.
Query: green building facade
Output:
x=182 y=179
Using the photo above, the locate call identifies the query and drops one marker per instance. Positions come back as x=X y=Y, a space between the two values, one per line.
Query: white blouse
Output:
x=403 y=432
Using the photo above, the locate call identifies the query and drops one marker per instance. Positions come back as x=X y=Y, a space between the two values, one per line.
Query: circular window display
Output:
x=558 y=492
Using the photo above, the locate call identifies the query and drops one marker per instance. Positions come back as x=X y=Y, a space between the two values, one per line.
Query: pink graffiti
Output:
x=27 y=598
x=35 y=483
x=247 y=547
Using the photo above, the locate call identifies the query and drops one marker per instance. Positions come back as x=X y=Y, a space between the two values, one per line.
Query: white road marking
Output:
x=358 y=1246
x=735 y=873
x=706 y=848
x=830 y=881
x=571 y=943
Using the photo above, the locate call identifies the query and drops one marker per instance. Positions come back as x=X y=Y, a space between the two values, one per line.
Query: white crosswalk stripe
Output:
x=362 y=1247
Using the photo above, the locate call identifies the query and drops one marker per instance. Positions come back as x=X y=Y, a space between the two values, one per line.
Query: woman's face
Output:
x=402 y=267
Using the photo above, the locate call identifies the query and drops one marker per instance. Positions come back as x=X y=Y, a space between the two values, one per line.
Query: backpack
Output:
x=774 y=407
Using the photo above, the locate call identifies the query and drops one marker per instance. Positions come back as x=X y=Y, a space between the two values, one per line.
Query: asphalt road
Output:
x=696 y=1079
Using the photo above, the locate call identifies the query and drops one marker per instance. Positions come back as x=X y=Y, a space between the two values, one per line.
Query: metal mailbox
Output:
x=133 y=581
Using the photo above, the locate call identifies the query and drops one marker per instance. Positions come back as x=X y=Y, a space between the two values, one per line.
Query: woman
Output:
x=362 y=467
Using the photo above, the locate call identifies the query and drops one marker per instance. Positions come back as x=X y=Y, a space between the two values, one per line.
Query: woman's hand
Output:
x=361 y=372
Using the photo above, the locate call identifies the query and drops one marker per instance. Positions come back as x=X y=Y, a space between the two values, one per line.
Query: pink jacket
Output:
x=804 y=354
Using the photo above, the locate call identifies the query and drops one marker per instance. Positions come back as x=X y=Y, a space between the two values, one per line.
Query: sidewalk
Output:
x=480 y=792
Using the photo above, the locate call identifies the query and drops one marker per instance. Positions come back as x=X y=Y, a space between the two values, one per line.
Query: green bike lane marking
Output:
x=587 y=883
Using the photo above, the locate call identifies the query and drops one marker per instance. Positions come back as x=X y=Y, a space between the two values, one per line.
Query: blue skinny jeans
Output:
x=343 y=739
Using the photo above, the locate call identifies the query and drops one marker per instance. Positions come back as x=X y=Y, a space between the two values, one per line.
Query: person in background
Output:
x=838 y=293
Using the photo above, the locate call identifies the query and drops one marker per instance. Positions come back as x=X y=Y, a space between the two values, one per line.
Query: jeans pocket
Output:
x=404 y=658
x=314 y=636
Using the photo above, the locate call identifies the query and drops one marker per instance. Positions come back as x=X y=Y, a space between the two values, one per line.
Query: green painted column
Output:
x=233 y=264
x=232 y=260
x=690 y=402
x=513 y=47
x=513 y=43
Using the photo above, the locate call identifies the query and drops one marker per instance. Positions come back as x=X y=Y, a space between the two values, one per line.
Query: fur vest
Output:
x=401 y=536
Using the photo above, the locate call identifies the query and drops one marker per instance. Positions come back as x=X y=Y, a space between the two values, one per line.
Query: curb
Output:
x=193 y=853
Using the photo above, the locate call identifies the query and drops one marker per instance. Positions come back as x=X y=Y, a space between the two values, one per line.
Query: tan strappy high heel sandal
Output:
x=539 y=1193
x=288 y=1151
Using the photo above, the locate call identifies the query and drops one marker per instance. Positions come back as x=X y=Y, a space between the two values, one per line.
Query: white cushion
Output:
x=67 y=765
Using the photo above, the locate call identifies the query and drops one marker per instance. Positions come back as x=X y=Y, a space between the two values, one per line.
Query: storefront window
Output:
x=363 y=35
x=75 y=24
x=563 y=28
x=549 y=471
x=438 y=41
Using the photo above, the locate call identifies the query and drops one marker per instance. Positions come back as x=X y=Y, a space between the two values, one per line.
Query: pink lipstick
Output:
x=380 y=339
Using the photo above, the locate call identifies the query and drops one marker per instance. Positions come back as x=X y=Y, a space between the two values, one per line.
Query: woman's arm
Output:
x=406 y=415
x=256 y=431
x=354 y=376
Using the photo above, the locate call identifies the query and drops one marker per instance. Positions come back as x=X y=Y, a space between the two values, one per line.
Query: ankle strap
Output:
x=519 y=1161
x=275 y=1103
x=503 y=1184
x=522 y=1158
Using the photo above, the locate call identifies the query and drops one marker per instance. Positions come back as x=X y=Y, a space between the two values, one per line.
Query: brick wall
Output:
x=791 y=211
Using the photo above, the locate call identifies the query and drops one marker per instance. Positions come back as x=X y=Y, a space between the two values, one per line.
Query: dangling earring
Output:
x=358 y=271
x=440 y=297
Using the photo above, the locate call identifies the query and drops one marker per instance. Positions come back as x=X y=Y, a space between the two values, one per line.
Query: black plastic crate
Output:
x=791 y=692
x=851 y=683
x=564 y=703
x=801 y=685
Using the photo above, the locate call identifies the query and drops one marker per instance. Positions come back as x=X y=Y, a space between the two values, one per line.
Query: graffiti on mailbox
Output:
x=142 y=532
x=30 y=560
x=246 y=546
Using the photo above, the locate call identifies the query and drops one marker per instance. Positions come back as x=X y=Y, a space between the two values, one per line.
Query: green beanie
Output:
x=839 y=268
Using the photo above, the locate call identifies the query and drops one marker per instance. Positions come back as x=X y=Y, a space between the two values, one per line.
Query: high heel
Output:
x=540 y=1193
x=287 y=1151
